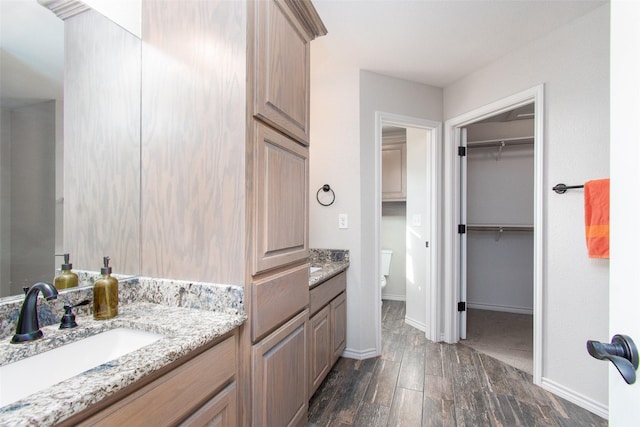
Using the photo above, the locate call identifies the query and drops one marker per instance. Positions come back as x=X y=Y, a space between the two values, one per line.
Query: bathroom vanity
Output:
x=187 y=376
x=327 y=312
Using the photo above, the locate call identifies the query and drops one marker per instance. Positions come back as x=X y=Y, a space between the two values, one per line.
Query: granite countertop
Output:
x=183 y=327
x=326 y=263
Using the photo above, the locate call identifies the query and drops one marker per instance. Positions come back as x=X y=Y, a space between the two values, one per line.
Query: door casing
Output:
x=452 y=215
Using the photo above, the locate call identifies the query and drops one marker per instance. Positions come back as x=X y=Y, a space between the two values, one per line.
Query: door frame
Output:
x=452 y=215
x=434 y=151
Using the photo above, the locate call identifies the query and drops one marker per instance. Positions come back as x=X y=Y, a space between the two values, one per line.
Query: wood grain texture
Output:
x=338 y=326
x=280 y=393
x=461 y=387
x=177 y=394
x=282 y=70
x=221 y=411
x=277 y=299
x=322 y=294
x=281 y=201
x=193 y=140
x=102 y=144
x=319 y=348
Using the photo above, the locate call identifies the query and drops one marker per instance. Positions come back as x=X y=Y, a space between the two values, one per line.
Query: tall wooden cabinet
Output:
x=224 y=171
x=278 y=173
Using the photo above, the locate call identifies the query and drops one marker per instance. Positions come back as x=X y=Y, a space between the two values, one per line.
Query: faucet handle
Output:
x=69 y=319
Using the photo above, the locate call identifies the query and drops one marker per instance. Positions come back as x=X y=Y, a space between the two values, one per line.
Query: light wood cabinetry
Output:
x=282 y=66
x=278 y=298
x=275 y=370
x=328 y=327
x=191 y=391
x=280 y=375
x=221 y=411
x=281 y=200
x=319 y=348
x=394 y=172
x=338 y=326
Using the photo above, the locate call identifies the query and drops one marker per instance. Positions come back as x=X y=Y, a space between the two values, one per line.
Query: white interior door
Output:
x=624 y=293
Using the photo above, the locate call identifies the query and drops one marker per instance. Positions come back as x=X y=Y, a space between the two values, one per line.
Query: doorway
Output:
x=454 y=294
x=421 y=215
x=496 y=163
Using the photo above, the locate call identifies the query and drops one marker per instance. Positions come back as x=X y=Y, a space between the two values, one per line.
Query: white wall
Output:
x=343 y=105
x=573 y=64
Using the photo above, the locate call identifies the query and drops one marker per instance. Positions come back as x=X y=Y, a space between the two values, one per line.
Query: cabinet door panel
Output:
x=320 y=349
x=394 y=172
x=281 y=198
x=338 y=326
x=282 y=70
x=218 y=412
x=280 y=395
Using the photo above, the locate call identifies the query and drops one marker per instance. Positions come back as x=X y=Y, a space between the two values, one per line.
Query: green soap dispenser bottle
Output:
x=67 y=278
x=105 y=294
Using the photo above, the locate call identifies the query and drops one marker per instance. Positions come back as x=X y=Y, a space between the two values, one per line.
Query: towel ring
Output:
x=326 y=188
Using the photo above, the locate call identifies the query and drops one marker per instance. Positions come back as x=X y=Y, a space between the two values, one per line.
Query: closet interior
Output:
x=499 y=236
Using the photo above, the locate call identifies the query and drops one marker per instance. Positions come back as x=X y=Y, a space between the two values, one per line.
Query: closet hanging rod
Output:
x=500 y=228
x=500 y=142
x=562 y=188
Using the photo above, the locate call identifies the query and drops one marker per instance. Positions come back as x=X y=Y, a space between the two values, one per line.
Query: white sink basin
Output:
x=35 y=373
x=314 y=269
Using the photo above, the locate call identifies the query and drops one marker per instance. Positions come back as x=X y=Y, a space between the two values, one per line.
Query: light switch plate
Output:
x=416 y=220
x=343 y=221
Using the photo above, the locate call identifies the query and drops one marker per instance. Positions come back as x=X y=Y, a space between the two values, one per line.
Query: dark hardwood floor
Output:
x=416 y=382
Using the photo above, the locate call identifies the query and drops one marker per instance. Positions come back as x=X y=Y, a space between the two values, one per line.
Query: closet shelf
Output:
x=500 y=142
x=499 y=228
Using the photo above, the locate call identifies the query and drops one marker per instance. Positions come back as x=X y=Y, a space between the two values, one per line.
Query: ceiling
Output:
x=434 y=42
x=437 y=42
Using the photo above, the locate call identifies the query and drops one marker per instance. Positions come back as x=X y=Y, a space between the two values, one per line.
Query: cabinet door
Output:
x=394 y=172
x=320 y=350
x=280 y=394
x=281 y=200
x=218 y=412
x=338 y=326
x=281 y=69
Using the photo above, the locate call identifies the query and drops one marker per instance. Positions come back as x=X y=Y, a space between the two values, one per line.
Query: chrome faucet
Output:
x=28 y=328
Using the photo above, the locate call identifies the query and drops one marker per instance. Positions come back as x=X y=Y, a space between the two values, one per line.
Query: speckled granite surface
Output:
x=187 y=314
x=329 y=261
x=174 y=293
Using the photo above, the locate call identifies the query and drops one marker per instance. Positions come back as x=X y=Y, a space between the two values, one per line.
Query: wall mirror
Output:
x=69 y=171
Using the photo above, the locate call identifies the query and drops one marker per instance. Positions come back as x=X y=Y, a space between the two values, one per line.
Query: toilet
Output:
x=385 y=263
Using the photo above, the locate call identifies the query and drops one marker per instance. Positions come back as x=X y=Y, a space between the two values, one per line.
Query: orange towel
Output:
x=596 y=217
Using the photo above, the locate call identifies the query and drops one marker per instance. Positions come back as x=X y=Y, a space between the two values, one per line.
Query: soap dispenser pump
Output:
x=67 y=278
x=105 y=294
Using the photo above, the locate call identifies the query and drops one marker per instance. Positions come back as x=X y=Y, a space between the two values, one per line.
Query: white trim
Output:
x=502 y=308
x=394 y=297
x=451 y=186
x=418 y=325
x=360 y=355
x=575 y=397
x=433 y=296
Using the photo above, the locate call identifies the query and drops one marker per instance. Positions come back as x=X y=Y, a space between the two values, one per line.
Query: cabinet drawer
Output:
x=322 y=294
x=175 y=395
x=277 y=299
